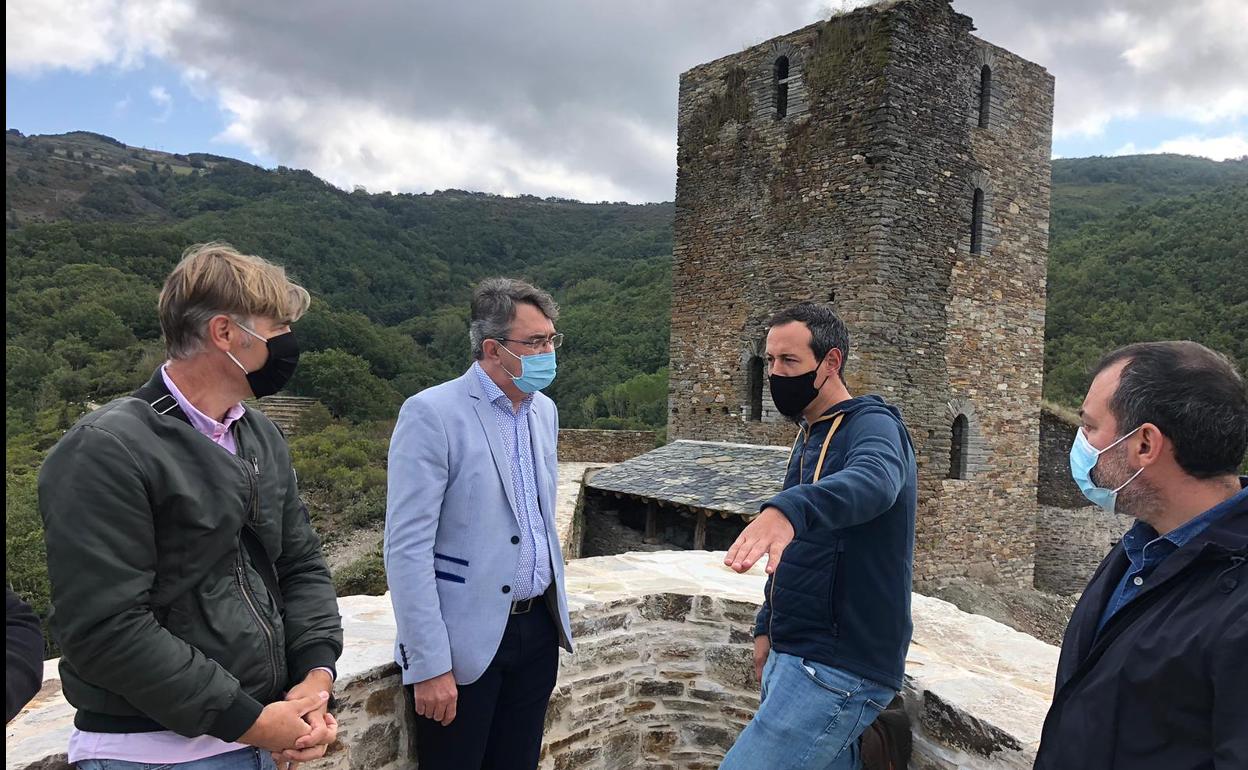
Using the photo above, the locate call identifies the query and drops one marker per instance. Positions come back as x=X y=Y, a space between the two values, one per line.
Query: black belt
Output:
x=521 y=607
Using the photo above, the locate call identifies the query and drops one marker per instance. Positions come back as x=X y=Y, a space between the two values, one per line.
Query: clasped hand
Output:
x=299 y=728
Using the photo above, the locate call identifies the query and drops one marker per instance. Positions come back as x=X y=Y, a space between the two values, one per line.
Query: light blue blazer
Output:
x=450 y=520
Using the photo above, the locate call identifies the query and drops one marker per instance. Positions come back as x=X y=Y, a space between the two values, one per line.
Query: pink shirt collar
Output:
x=219 y=432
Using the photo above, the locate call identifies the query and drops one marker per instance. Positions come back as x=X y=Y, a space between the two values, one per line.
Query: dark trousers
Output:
x=501 y=716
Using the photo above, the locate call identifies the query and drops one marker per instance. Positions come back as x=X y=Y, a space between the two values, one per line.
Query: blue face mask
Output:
x=536 y=371
x=1083 y=458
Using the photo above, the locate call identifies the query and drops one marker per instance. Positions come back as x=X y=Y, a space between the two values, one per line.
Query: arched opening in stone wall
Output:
x=977 y=222
x=959 y=448
x=754 y=388
x=985 y=94
x=782 y=87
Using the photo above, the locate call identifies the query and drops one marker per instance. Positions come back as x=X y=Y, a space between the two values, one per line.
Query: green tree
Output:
x=345 y=384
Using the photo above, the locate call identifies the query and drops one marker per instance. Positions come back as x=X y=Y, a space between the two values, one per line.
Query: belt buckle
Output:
x=516 y=606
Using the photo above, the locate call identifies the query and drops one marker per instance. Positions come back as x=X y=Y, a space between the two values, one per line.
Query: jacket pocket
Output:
x=448 y=577
x=230 y=618
x=802 y=589
x=834 y=569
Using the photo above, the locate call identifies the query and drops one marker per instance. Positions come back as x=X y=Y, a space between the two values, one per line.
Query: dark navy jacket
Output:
x=841 y=595
x=1163 y=684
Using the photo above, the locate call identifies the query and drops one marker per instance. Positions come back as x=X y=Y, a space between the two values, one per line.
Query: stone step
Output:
x=284 y=410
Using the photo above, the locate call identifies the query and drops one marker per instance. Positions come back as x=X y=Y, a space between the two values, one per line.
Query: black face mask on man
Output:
x=792 y=395
x=278 y=369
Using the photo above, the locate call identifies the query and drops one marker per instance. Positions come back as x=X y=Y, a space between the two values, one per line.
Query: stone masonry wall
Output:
x=604 y=446
x=769 y=212
x=862 y=196
x=662 y=678
x=1056 y=487
x=1070 y=544
x=994 y=337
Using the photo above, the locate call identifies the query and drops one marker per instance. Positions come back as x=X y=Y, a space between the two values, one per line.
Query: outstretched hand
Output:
x=770 y=533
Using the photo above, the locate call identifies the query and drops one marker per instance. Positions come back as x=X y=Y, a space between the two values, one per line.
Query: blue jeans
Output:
x=810 y=718
x=243 y=759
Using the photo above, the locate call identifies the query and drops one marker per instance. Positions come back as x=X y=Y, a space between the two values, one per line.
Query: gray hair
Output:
x=194 y=332
x=494 y=309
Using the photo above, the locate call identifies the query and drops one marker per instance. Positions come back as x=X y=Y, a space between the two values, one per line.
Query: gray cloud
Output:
x=1123 y=58
x=578 y=98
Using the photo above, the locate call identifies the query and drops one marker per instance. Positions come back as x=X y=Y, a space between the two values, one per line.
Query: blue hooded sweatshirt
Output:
x=841 y=595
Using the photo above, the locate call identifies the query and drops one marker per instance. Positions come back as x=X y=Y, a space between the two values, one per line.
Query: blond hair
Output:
x=215 y=279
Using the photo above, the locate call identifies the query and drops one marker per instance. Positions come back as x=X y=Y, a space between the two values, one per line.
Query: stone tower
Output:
x=892 y=163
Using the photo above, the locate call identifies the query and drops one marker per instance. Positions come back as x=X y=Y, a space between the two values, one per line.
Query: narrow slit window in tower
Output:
x=958 y=450
x=985 y=94
x=977 y=222
x=782 y=87
x=756 y=388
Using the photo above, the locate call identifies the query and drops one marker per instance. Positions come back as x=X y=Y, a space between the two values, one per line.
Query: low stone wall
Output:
x=604 y=446
x=662 y=679
x=1055 y=487
x=1070 y=544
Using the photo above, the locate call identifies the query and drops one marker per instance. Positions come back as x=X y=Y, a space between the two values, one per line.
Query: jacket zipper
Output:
x=771 y=591
x=255 y=612
x=241 y=571
x=771 y=616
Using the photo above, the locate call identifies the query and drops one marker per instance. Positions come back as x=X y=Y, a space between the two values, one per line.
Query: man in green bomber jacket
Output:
x=196 y=617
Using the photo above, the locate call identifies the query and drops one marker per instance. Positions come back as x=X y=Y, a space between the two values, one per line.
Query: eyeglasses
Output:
x=537 y=343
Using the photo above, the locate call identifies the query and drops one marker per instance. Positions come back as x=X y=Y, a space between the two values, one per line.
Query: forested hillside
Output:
x=1144 y=247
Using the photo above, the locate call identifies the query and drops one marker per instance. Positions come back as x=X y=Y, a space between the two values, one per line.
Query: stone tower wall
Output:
x=769 y=212
x=862 y=195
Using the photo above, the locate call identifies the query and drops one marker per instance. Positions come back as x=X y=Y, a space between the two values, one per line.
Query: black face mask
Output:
x=278 y=369
x=793 y=394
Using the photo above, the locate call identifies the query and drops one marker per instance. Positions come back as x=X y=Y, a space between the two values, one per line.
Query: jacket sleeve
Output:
x=867 y=485
x=101 y=545
x=313 y=626
x=417 y=476
x=1230 y=682
x=23 y=651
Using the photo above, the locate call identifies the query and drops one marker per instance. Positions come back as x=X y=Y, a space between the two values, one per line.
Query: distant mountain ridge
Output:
x=1128 y=260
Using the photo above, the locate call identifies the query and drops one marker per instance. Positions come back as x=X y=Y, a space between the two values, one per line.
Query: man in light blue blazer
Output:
x=472 y=555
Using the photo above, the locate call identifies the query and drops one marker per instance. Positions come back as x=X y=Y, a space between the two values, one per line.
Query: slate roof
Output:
x=708 y=475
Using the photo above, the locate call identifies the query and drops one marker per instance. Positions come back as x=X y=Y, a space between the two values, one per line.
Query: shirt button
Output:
x=1139 y=581
x=515 y=539
x=506 y=589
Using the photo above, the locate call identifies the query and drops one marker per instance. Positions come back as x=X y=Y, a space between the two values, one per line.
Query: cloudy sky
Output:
x=575 y=98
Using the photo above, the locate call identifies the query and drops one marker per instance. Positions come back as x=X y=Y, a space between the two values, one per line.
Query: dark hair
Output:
x=494 y=309
x=827 y=331
x=1194 y=395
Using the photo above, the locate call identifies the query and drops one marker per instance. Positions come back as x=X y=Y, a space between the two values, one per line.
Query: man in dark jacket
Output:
x=23 y=651
x=196 y=617
x=1154 y=666
x=831 y=638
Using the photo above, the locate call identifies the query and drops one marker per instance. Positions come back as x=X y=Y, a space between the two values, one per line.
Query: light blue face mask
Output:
x=1083 y=458
x=536 y=371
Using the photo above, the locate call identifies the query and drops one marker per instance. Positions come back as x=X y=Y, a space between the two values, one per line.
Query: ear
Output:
x=833 y=362
x=220 y=332
x=1150 y=445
